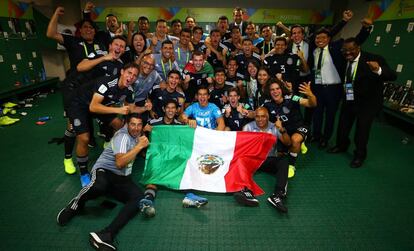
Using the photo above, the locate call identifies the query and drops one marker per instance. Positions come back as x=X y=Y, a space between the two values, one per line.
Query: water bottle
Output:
x=45 y=118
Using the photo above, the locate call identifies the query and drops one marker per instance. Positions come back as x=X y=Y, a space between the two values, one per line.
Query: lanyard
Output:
x=268 y=47
x=86 y=49
x=163 y=67
x=179 y=55
x=353 y=73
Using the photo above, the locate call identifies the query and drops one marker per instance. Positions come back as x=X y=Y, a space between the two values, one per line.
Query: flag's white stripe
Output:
x=213 y=142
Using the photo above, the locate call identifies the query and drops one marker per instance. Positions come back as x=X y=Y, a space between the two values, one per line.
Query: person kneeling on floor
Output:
x=111 y=175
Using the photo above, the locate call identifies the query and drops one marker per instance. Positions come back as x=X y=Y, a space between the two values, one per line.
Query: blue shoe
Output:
x=192 y=200
x=147 y=207
x=85 y=179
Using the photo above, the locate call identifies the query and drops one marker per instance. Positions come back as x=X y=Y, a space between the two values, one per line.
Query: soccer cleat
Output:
x=147 y=207
x=303 y=148
x=246 y=197
x=69 y=166
x=9 y=105
x=9 y=110
x=85 y=179
x=276 y=201
x=6 y=121
x=291 y=171
x=67 y=213
x=101 y=241
x=192 y=200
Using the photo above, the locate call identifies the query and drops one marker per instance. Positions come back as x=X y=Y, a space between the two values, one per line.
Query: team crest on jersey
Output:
x=289 y=61
x=209 y=163
x=285 y=110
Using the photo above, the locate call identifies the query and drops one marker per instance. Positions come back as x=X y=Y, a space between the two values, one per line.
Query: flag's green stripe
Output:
x=170 y=148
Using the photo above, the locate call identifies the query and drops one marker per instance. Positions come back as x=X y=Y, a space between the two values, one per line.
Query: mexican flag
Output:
x=180 y=157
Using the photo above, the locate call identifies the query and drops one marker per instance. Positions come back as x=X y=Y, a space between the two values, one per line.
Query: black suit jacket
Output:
x=334 y=48
x=368 y=86
x=244 y=26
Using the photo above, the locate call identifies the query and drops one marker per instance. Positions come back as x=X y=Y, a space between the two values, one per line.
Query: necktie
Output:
x=349 y=72
x=298 y=47
x=319 y=65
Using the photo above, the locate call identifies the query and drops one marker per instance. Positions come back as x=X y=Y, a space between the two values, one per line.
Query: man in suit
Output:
x=328 y=68
x=238 y=21
x=363 y=87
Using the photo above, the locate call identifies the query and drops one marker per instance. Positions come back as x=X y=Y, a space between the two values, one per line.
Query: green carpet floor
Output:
x=331 y=206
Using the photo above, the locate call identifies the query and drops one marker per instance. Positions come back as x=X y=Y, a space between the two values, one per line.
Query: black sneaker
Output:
x=277 y=202
x=67 y=213
x=101 y=241
x=246 y=197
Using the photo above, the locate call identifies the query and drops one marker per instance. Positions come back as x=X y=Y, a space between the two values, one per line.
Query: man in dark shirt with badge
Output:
x=286 y=63
x=97 y=97
x=159 y=96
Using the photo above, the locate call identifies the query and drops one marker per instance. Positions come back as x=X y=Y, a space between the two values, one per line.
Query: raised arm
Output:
x=53 y=23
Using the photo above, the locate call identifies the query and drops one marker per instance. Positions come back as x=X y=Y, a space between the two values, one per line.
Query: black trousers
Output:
x=121 y=188
x=328 y=98
x=364 y=116
x=278 y=166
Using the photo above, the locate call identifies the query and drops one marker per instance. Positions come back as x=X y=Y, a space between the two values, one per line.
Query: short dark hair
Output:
x=131 y=65
x=186 y=30
x=92 y=23
x=189 y=17
x=214 y=31
x=120 y=37
x=133 y=115
x=281 y=39
x=219 y=69
x=143 y=18
x=171 y=101
x=166 y=42
x=198 y=28
x=197 y=53
x=174 y=71
x=160 y=21
x=247 y=40
x=223 y=18
x=234 y=89
x=323 y=30
x=264 y=26
x=175 y=21
x=111 y=15
x=203 y=87
x=238 y=9
x=297 y=26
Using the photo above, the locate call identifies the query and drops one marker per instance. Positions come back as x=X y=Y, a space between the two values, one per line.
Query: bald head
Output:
x=262 y=118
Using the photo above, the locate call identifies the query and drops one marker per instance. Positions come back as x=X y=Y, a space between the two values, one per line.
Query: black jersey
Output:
x=78 y=49
x=243 y=61
x=212 y=58
x=217 y=94
x=107 y=68
x=160 y=97
x=264 y=47
x=108 y=88
x=288 y=112
x=236 y=121
x=232 y=81
x=287 y=64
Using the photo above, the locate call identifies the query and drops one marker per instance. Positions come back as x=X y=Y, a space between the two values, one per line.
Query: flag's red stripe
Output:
x=250 y=151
